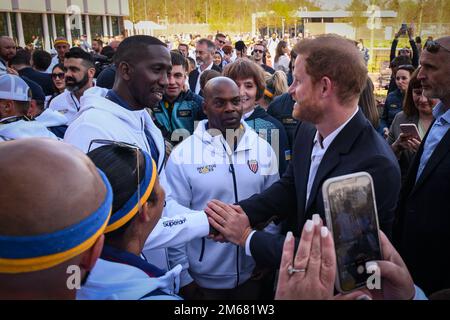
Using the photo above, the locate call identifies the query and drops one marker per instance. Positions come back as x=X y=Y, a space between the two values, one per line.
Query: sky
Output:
x=332 y=4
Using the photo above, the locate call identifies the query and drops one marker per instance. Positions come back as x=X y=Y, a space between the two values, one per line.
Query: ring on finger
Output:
x=291 y=270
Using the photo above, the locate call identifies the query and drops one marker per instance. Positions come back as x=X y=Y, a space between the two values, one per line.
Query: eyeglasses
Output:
x=433 y=46
x=60 y=75
x=127 y=146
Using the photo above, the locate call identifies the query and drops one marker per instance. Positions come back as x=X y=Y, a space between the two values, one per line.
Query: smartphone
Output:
x=351 y=216
x=404 y=28
x=410 y=129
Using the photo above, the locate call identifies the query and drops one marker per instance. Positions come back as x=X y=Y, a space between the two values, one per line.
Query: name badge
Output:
x=184 y=113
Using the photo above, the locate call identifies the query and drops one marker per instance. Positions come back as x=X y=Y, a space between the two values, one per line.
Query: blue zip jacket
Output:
x=186 y=110
x=260 y=120
x=392 y=106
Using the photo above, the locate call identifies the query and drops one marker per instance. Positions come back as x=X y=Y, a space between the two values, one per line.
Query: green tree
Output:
x=357 y=9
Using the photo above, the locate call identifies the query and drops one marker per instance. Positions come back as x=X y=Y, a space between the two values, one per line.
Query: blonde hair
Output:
x=276 y=83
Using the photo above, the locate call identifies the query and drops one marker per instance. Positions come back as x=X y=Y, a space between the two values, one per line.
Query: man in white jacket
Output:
x=80 y=72
x=226 y=160
x=15 y=101
x=142 y=63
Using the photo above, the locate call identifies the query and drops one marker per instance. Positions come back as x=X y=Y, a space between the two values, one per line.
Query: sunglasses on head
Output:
x=104 y=142
x=60 y=75
x=433 y=46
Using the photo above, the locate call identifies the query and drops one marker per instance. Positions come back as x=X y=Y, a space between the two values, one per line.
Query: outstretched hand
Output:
x=230 y=221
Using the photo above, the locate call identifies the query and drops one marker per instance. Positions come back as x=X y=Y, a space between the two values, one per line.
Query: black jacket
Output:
x=422 y=229
x=106 y=78
x=42 y=79
x=358 y=147
x=193 y=77
x=281 y=109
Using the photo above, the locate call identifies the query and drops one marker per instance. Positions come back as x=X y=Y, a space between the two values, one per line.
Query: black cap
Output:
x=36 y=90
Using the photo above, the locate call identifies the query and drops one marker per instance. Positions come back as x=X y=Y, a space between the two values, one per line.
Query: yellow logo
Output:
x=206 y=169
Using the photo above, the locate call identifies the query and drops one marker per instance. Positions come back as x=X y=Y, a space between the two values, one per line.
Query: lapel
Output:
x=413 y=168
x=193 y=76
x=302 y=157
x=340 y=145
x=436 y=157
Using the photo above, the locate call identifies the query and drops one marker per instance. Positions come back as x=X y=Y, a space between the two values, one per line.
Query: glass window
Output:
x=96 y=26
x=3 y=23
x=77 y=23
x=60 y=23
x=115 y=26
x=33 y=31
x=14 y=25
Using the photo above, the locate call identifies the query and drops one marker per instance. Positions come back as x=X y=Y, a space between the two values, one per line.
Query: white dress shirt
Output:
x=320 y=148
x=197 y=86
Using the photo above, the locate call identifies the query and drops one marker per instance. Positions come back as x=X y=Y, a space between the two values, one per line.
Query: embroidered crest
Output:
x=253 y=165
x=206 y=169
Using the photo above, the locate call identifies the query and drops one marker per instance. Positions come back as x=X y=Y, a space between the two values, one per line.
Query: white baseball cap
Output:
x=14 y=88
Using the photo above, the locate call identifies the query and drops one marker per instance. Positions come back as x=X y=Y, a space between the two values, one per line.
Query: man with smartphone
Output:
x=421 y=233
x=333 y=139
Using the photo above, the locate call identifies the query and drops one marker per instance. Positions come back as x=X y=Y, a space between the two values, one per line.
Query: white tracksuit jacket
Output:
x=24 y=129
x=51 y=118
x=203 y=168
x=116 y=281
x=100 y=118
x=67 y=104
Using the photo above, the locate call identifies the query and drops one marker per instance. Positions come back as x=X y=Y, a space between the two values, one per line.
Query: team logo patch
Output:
x=206 y=169
x=157 y=109
x=184 y=113
x=253 y=165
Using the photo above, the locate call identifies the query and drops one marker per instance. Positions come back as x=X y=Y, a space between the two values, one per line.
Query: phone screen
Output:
x=410 y=129
x=353 y=217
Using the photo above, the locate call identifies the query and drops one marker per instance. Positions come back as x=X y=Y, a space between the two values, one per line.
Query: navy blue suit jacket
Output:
x=422 y=229
x=42 y=79
x=358 y=147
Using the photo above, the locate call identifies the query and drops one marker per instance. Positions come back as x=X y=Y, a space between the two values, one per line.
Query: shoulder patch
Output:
x=253 y=166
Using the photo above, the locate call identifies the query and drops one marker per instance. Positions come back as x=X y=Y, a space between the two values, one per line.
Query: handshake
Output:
x=227 y=223
x=310 y=274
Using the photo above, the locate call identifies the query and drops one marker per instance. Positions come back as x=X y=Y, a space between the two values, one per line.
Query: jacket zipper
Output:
x=149 y=148
x=236 y=201
x=202 y=252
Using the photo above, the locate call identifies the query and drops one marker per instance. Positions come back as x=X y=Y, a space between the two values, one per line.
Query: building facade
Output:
x=40 y=21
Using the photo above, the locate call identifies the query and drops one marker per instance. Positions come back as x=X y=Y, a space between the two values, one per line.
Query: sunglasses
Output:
x=129 y=146
x=58 y=75
x=433 y=46
x=258 y=51
x=221 y=41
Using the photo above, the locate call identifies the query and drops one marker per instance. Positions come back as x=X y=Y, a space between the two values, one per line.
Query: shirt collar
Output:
x=209 y=68
x=325 y=143
x=116 y=255
x=114 y=97
x=441 y=113
x=248 y=114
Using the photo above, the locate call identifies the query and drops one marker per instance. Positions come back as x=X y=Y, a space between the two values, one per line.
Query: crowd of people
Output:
x=196 y=171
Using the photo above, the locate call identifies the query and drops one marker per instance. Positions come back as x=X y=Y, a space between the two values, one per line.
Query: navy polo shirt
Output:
x=114 y=97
